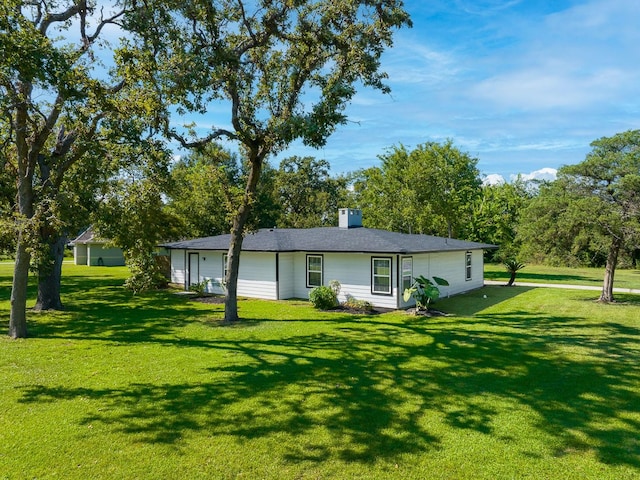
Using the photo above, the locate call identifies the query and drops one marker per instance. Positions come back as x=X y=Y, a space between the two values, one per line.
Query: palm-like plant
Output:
x=424 y=291
x=512 y=266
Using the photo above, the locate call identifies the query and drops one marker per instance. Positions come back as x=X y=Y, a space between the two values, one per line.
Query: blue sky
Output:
x=523 y=86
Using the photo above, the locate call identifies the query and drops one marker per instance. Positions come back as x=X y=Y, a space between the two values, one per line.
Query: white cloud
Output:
x=546 y=173
x=493 y=179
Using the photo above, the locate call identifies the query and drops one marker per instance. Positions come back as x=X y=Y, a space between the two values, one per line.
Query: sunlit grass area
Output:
x=624 y=278
x=513 y=383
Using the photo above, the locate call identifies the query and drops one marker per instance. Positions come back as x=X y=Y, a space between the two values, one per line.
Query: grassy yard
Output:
x=525 y=383
x=572 y=276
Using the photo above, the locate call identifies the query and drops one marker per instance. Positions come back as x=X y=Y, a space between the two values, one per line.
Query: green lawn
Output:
x=574 y=276
x=525 y=383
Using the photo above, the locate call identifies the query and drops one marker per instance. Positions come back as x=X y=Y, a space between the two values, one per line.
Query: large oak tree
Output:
x=593 y=207
x=430 y=190
x=282 y=69
x=53 y=99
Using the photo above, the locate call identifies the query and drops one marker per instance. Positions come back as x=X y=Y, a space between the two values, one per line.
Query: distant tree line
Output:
x=435 y=189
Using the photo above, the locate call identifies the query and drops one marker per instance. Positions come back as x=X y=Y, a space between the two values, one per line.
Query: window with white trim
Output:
x=381 y=275
x=407 y=272
x=314 y=271
x=468 y=266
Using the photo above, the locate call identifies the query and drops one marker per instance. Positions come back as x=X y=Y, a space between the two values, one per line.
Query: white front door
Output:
x=194 y=269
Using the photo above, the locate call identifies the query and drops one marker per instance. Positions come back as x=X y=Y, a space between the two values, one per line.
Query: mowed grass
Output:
x=525 y=383
x=623 y=278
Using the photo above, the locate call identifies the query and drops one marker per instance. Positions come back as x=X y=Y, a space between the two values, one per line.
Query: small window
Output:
x=225 y=259
x=407 y=272
x=381 y=276
x=468 y=266
x=314 y=271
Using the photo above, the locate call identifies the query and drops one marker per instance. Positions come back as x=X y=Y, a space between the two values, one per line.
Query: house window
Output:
x=407 y=272
x=314 y=270
x=225 y=259
x=468 y=266
x=381 y=275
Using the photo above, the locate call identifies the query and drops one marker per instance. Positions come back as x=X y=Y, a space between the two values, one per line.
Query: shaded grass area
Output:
x=525 y=383
x=624 y=278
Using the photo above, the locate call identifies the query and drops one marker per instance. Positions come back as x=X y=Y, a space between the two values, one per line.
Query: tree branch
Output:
x=201 y=142
x=51 y=18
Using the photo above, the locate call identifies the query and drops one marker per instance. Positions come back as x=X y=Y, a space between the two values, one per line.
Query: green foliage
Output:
x=356 y=304
x=306 y=194
x=132 y=214
x=199 y=288
x=323 y=298
x=145 y=273
x=425 y=291
x=435 y=187
x=496 y=216
x=203 y=188
x=512 y=265
x=284 y=71
x=573 y=220
x=62 y=112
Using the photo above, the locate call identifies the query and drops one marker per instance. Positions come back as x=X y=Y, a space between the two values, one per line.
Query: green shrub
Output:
x=355 y=304
x=199 y=288
x=323 y=298
x=145 y=273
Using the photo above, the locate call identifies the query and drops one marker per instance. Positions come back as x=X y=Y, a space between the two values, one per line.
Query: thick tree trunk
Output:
x=233 y=267
x=18 y=316
x=610 y=270
x=49 y=279
x=235 y=246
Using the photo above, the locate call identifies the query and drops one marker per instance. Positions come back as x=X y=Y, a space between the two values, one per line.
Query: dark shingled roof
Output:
x=332 y=239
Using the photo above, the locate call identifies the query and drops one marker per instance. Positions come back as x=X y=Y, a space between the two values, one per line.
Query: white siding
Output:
x=286 y=275
x=451 y=267
x=80 y=254
x=353 y=271
x=211 y=270
x=256 y=278
x=257 y=275
x=100 y=255
x=178 y=270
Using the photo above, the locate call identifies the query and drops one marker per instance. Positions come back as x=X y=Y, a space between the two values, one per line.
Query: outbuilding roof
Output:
x=332 y=239
x=88 y=236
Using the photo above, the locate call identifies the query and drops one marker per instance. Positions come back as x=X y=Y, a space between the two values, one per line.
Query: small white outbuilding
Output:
x=88 y=249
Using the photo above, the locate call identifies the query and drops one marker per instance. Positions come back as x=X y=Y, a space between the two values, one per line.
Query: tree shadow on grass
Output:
x=112 y=313
x=369 y=390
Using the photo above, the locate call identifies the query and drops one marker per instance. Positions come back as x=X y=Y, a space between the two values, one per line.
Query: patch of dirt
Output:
x=213 y=299
x=219 y=299
x=358 y=311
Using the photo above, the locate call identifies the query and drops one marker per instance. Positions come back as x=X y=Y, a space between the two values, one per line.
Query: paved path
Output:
x=562 y=285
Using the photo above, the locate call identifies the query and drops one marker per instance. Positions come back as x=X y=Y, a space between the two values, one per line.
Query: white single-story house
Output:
x=371 y=265
x=88 y=249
